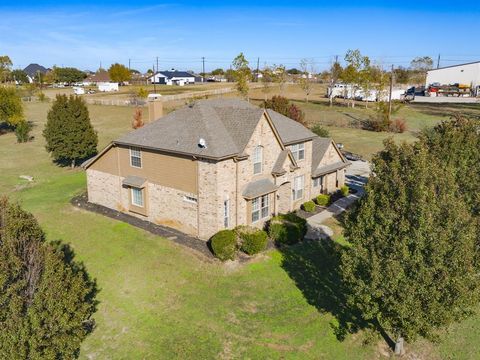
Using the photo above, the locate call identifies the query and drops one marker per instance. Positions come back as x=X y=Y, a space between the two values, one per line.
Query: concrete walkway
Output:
x=356 y=178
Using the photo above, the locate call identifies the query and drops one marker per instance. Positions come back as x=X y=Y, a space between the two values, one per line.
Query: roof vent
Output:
x=202 y=143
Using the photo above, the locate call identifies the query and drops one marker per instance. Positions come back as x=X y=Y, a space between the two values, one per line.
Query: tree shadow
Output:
x=315 y=268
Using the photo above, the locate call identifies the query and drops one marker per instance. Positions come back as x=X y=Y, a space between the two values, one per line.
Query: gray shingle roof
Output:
x=329 y=168
x=134 y=181
x=172 y=74
x=258 y=188
x=33 y=69
x=226 y=125
x=289 y=130
x=278 y=166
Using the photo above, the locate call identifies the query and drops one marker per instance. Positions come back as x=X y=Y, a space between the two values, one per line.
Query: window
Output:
x=190 y=199
x=226 y=213
x=318 y=181
x=260 y=208
x=135 y=157
x=298 y=185
x=298 y=151
x=137 y=197
x=257 y=160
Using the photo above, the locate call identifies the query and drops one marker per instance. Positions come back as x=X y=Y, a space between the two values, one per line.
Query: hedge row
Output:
x=226 y=243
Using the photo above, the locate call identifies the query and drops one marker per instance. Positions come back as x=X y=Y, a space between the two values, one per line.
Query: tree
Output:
x=5 y=67
x=119 y=73
x=402 y=75
x=294 y=71
x=230 y=75
x=336 y=71
x=356 y=72
x=281 y=105
x=67 y=75
x=242 y=74
x=218 y=71
x=455 y=143
x=47 y=298
x=69 y=134
x=19 y=75
x=11 y=109
x=266 y=79
x=411 y=267
x=307 y=69
x=280 y=76
x=419 y=67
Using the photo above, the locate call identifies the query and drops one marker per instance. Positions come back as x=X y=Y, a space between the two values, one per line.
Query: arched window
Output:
x=258 y=160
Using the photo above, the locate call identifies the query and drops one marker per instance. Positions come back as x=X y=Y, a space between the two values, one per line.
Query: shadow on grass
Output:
x=315 y=268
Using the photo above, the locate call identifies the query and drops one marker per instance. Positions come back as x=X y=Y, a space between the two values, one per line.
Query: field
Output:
x=160 y=300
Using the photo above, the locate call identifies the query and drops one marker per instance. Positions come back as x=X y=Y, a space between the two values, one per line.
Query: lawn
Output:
x=160 y=300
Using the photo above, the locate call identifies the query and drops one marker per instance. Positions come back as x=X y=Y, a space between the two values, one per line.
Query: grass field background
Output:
x=159 y=300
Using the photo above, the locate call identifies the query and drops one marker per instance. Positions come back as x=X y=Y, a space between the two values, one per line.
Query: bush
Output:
x=22 y=131
x=287 y=229
x=252 y=240
x=309 y=206
x=224 y=244
x=41 y=97
x=142 y=93
x=344 y=190
x=320 y=131
x=323 y=199
x=398 y=126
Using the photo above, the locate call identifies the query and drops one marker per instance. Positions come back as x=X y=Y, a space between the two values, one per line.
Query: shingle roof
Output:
x=289 y=130
x=226 y=125
x=33 y=69
x=171 y=74
x=329 y=168
x=278 y=166
x=134 y=181
x=258 y=188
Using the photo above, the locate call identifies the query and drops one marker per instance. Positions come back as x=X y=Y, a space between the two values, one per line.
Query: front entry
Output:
x=284 y=198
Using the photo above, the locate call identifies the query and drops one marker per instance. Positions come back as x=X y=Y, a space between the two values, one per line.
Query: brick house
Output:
x=212 y=165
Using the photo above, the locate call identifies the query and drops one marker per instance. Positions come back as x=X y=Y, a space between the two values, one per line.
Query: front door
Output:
x=284 y=198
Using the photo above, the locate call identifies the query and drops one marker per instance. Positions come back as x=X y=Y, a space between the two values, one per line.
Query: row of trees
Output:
x=413 y=263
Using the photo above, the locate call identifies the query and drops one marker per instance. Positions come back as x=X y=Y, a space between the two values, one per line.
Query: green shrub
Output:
x=41 y=97
x=252 y=240
x=224 y=244
x=320 y=131
x=309 y=206
x=287 y=229
x=344 y=190
x=22 y=131
x=323 y=199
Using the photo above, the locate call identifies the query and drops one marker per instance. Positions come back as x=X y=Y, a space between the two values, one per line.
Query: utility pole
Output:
x=203 y=69
x=153 y=76
x=157 y=63
x=390 y=95
x=129 y=64
x=438 y=61
x=258 y=68
x=336 y=59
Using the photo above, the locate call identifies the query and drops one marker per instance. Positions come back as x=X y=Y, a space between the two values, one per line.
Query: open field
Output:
x=160 y=300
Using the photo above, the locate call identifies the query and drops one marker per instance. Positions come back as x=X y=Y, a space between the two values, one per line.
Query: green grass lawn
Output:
x=159 y=300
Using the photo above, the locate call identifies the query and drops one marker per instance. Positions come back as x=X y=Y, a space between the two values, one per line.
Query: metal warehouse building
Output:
x=467 y=74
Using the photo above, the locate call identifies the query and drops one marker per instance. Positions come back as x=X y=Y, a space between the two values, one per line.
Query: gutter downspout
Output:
x=236 y=193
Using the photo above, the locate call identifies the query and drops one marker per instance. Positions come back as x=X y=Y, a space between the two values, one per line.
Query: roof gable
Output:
x=33 y=69
x=320 y=148
x=290 y=130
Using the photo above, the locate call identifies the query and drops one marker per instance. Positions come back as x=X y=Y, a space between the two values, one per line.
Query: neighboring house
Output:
x=173 y=77
x=101 y=76
x=212 y=165
x=33 y=70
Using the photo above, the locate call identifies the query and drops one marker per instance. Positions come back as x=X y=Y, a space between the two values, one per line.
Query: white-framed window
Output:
x=190 y=199
x=318 y=181
x=298 y=151
x=137 y=197
x=258 y=160
x=260 y=208
x=135 y=157
x=298 y=186
x=226 y=213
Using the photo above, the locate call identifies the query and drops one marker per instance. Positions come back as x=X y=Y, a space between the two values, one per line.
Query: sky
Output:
x=85 y=34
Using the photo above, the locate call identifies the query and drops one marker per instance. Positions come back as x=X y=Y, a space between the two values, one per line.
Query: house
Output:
x=33 y=70
x=101 y=76
x=212 y=165
x=173 y=77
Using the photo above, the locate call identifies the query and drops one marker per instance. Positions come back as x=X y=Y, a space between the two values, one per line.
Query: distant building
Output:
x=33 y=70
x=462 y=74
x=101 y=76
x=173 y=77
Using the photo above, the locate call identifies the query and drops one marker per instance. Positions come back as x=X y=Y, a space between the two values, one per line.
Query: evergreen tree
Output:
x=69 y=134
x=47 y=299
x=411 y=267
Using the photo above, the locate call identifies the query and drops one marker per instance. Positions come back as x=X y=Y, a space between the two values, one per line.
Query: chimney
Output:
x=155 y=107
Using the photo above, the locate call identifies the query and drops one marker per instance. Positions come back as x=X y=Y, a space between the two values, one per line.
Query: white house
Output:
x=173 y=77
x=464 y=74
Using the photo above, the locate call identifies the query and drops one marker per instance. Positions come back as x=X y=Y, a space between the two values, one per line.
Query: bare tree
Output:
x=307 y=67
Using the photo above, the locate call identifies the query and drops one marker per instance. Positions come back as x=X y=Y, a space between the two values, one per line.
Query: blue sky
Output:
x=85 y=33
